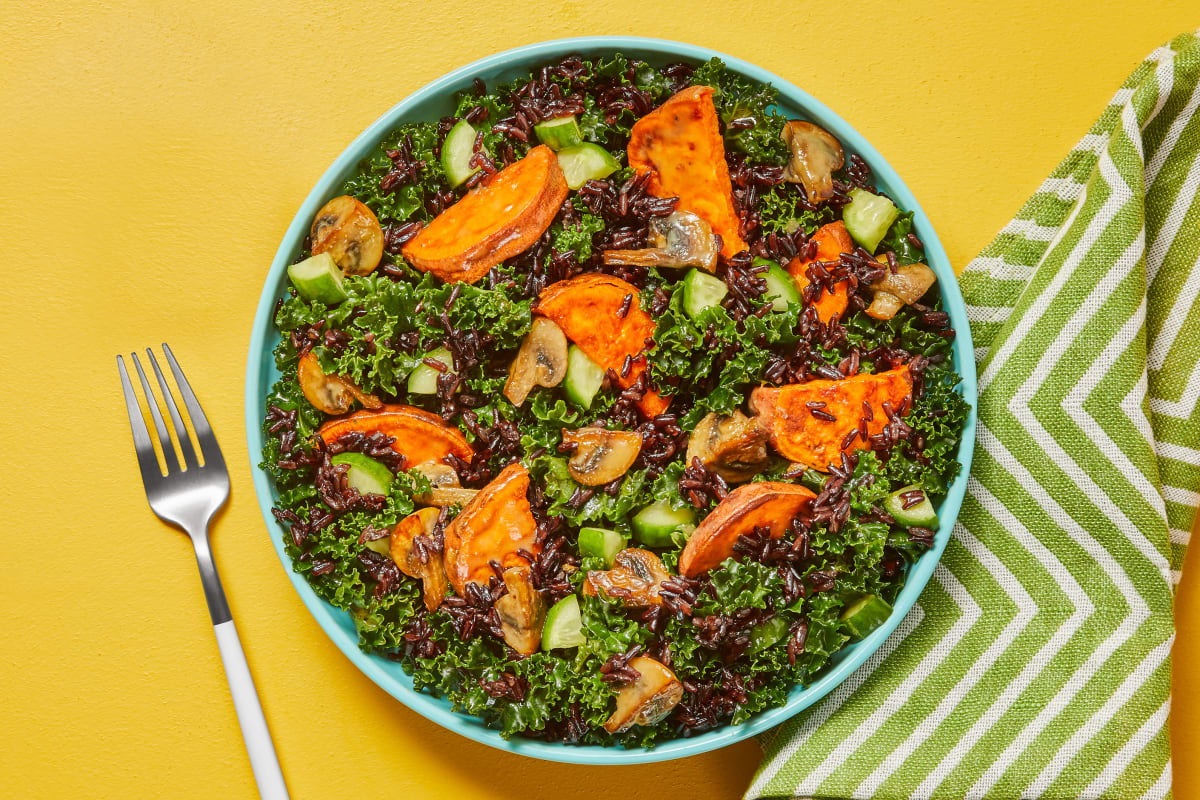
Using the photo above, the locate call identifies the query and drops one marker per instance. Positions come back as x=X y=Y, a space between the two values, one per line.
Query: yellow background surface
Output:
x=151 y=156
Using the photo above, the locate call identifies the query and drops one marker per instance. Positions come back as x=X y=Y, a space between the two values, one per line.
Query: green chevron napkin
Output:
x=1036 y=663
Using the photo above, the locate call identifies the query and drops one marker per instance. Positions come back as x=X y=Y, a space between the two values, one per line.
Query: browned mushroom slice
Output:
x=332 y=394
x=349 y=231
x=601 y=456
x=522 y=611
x=680 y=239
x=444 y=488
x=733 y=446
x=541 y=361
x=635 y=579
x=816 y=154
x=649 y=699
x=906 y=285
x=419 y=560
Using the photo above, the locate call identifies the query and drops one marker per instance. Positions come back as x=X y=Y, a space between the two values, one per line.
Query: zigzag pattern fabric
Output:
x=1036 y=663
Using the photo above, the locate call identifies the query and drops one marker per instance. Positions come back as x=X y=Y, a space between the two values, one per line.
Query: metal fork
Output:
x=187 y=497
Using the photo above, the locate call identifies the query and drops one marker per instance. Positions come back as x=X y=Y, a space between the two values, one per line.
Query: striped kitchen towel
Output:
x=1036 y=663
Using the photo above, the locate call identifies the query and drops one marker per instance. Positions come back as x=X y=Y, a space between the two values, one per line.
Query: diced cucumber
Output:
x=585 y=162
x=701 y=291
x=920 y=515
x=423 y=379
x=765 y=634
x=559 y=133
x=457 y=151
x=564 y=625
x=382 y=546
x=366 y=474
x=868 y=217
x=866 y=614
x=781 y=287
x=600 y=543
x=318 y=278
x=584 y=378
x=654 y=524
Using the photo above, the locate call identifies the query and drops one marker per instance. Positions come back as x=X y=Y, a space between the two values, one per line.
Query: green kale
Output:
x=897 y=241
x=738 y=97
x=577 y=237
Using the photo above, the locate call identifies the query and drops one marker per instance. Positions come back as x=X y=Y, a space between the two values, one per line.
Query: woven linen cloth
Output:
x=1036 y=662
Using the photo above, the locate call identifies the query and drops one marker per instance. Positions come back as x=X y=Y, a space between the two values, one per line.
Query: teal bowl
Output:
x=434 y=101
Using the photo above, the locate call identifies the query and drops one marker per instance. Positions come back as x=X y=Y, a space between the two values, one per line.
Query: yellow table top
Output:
x=153 y=154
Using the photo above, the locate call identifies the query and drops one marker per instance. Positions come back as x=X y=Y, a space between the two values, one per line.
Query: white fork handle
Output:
x=263 y=761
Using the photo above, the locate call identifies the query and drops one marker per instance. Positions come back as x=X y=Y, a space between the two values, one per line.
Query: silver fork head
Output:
x=189 y=492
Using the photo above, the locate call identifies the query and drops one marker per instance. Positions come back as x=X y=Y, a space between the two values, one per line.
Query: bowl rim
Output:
x=260 y=371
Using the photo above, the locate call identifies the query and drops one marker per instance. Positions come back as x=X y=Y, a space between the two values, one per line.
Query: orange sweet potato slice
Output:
x=680 y=144
x=588 y=310
x=832 y=240
x=419 y=436
x=495 y=221
x=495 y=526
x=766 y=504
x=810 y=439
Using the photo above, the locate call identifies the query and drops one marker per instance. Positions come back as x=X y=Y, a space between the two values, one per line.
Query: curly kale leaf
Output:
x=897 y=241
x=407 y=199
x=737 y=97
x=577 y=238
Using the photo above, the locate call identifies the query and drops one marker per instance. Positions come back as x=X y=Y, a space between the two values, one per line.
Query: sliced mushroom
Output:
x=815 y=156
x=522 y=611
x=733 y=446
x=649 y=699
x=332 y=394
x=907 y=284
x=681 y=239
x=541 y=361
x=444 y=488
x=634 y=580
x=420 y=561
x=601 y=456
x=349 y=231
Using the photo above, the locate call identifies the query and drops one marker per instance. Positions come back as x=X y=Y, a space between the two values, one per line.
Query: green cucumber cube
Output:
x=654 y=525
x=559 y=133
x=600 y=543
x=584 y=378
x=920 y=512
x=868 y=217
x=866 y=614
x=423 y=379
x=366 y=475
x=701 y=291
x=318 y=279
x=564 y=625
x=457 y=150
x=586 y=162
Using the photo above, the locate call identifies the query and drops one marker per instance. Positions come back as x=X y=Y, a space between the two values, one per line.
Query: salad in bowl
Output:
x=613 y=404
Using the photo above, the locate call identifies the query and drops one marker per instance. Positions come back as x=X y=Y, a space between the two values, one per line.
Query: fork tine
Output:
x=141 y=437
x=164 y=438
x=185 y=443
x=204 y=432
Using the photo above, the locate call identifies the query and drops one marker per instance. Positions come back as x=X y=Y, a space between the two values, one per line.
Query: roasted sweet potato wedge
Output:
x=495 y=526
x=832 y=240
x=588 y=310
x=796 y=417
x=766 y=504
x=680 y=144
x=495 y=221
x=419 y=436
